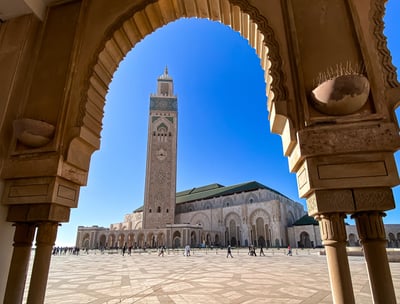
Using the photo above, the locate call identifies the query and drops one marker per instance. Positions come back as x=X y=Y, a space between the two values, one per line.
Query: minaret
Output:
x=160 y=187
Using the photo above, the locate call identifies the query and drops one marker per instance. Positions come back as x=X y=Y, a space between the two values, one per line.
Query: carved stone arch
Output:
x=138 y=225
x=251 y=198
x=227 y=202
x=140 y=21
x=162 y=122
x=201 y=218
x=290 y=218
x=85 y=240
x=260 y=213
x=207 y=205
x=389 y=71
x=232 y=216
x=111 y=240
x=102 y=241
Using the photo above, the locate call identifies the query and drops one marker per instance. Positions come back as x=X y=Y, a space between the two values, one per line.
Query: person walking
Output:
x=289 y=250
x=229 y=253
x=261 y=251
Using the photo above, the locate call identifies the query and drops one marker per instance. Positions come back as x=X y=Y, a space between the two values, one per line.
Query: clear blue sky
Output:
x=223 y=127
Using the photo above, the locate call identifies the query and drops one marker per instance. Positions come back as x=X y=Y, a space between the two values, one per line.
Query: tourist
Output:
x=229 y=252
x=187 y=250
x=289 y=250
x=261 y=251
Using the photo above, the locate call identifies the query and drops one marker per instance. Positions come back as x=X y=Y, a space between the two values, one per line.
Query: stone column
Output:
x=333 y=234
x=23 y=237
x=46 y=236
x=373 y=239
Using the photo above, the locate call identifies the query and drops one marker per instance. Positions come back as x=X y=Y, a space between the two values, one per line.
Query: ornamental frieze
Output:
x=382 y=137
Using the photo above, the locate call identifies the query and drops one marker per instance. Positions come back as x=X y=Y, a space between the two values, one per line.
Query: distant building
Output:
x=213 y=215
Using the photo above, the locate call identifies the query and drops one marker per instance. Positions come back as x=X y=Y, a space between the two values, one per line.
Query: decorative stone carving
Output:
x=386 y=59
x=377 y=199
x=332 y=228
x=376 y=137
x=341 y=95
x=325 y=201
x=370 y=226
x=33 y=133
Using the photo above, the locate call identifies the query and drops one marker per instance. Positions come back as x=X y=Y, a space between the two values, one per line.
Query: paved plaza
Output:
x=204 y=277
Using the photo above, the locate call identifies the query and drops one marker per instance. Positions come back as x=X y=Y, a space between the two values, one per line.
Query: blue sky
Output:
x=223 y=127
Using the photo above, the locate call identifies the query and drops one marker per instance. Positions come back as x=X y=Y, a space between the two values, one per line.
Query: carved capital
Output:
x=370 y=226
x=333 y=230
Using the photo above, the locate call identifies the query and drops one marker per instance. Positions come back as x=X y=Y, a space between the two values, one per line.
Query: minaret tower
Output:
x=160 y=187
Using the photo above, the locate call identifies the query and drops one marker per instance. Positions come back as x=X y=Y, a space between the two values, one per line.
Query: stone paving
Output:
x=204 y=277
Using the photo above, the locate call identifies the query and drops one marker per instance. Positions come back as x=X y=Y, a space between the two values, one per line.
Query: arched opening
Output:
x=86 y=241
x=304 y=241
x=121 y=240
x=255 y=39
x=260 y=232
x=176 y=239
x=111 y=241
x=193 y=239
x=232 y=233
x=102 y=241
x=391 y=240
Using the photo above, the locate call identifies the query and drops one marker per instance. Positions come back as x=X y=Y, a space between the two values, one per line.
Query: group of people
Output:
x=64 y=250
x=125 y=248
x=252 y=251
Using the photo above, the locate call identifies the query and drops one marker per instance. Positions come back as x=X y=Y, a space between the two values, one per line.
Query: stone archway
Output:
x=102 y=241
x=68 y=78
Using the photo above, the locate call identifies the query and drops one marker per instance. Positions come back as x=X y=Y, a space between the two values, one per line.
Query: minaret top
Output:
x=165 y=76
x=165 y=87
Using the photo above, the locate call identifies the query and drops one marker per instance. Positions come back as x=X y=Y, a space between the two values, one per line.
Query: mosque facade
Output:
x=244 y=214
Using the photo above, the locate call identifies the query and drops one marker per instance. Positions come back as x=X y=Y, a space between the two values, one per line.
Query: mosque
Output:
x=212 y=215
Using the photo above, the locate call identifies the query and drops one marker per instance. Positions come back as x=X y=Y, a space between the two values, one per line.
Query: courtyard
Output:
x=206 y=276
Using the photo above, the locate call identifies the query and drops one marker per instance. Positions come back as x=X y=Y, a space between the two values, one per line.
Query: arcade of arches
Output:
x=332 y=92
x=238 y=215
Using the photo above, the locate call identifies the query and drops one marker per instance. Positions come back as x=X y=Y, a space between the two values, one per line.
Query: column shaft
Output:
x=373 y=239
x=46 y=236
x=23 y=237
x=333 y=234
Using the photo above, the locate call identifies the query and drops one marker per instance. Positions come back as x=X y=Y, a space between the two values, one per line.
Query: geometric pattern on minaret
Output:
x=160 y=184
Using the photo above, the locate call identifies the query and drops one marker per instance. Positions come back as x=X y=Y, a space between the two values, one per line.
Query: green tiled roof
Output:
x=305 y=220
x=215 y=190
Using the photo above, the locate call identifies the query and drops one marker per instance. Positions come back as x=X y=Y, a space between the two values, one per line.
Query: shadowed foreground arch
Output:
x=57 y=75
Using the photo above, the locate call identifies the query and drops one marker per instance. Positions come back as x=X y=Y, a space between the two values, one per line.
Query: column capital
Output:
x=370 y=226
x=333 y=230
